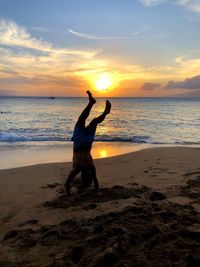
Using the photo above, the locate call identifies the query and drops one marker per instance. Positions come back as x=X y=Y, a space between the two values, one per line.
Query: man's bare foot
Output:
x=107 y=107
x=91 y=98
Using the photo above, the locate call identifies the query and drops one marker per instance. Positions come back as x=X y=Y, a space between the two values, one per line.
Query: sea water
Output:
x=41 y=124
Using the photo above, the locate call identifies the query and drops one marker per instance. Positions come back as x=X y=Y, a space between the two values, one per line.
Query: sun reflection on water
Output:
x=109 y=149
x=103 y=153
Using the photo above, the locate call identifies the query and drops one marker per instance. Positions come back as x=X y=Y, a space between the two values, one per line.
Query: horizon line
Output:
x=25 y=96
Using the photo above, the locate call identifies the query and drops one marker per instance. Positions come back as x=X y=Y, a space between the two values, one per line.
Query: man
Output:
x=83 y=138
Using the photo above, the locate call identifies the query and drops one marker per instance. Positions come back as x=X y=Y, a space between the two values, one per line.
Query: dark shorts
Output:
x=83 y=137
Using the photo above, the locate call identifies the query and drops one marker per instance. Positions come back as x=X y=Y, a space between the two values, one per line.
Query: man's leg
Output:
x=90 y=176
x=70 y=177
x=94 y=178
x=97 y=120
x=85 y=113
x=86 y=177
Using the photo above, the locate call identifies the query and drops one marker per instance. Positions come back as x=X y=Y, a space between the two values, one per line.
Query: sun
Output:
x=103 y=83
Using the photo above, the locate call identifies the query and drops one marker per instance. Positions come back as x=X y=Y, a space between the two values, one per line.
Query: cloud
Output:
x=95 y=37
x=14 y=35
x=133 y=35
x=71 y=69
x=193 y=5
x=187 y=66
x=21 y=66
x=189 y=83
x=150 y=86
x=151 y=2
x=40 y=29
x=47 y=56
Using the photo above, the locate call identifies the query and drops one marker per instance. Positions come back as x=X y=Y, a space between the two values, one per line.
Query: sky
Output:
x=112 y=47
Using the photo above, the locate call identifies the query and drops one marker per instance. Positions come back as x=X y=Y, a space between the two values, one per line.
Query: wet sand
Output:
x=145 y=214
x=34 y=153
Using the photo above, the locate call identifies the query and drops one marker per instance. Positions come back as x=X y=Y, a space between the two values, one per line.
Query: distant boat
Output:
x=52 y=94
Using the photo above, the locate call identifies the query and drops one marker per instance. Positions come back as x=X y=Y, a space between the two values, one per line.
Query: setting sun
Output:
x=103 y=83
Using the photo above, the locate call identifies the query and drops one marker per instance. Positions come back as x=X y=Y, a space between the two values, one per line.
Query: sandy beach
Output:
x=145 y=214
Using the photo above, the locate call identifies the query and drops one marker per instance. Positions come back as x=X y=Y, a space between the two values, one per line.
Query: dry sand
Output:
x=146 y=213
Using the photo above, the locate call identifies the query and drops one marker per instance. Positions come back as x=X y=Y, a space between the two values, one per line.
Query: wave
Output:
x=114 y=138
x=12 y=137
x=186 y=143
x=137 y=139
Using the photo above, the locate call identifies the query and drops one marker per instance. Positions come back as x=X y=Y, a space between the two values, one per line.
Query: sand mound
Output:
x=192 y=186
x=90 y=197
x=152 y=232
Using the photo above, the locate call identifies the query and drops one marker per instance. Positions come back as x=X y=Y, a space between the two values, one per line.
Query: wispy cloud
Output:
x=187 y=66
x=96 y=37
x=151 y=2
x=14 y=35
x=36 y=61
x=193 y=5
x=133 y=35
x=40 y=29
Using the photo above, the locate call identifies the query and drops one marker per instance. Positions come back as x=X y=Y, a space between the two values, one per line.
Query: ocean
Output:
x=38 y=122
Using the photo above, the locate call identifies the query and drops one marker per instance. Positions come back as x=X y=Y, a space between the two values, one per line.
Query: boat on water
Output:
x=51 y=97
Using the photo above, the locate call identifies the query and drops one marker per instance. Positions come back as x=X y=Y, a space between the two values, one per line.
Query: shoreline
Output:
x=38 y=154
x=33 y=154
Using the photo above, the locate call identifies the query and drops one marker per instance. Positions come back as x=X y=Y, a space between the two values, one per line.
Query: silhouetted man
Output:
x=83 y=138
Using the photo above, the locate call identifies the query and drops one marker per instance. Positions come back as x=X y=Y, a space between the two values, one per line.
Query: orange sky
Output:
x=41 y=56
